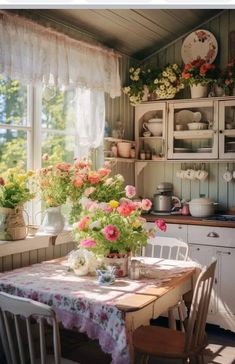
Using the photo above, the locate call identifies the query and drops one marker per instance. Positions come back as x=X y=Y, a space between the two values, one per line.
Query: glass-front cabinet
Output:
x=150 y=131
x=193 y=129
x=227 y=129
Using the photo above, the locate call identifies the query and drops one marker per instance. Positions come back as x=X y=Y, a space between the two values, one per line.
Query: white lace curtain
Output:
x=35 y=54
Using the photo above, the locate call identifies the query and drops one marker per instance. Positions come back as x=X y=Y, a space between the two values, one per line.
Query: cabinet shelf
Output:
x=151 y=137
x=196 y=134
x=124 y=160
x=117 y=140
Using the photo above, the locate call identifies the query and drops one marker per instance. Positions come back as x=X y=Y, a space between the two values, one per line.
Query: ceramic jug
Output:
x=53 y=221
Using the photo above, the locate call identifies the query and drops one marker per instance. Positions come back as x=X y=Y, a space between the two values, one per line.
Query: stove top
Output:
x=221 y=217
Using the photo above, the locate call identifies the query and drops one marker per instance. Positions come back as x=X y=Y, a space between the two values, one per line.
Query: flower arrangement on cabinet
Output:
x=141 y=81
x=168 y=84
x=228 y=78
x=164 y=83
x=114 y=226
x=198 y=72
x=14 y=187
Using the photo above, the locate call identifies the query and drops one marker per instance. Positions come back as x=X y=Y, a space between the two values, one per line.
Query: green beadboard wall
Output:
x=215 y=187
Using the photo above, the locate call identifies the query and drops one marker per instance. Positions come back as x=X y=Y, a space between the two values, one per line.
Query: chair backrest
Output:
x=17 y=308
x=195 y=336
x=167 y=248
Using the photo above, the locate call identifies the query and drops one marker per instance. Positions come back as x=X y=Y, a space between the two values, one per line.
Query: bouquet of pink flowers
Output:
x=96 y=185
x=114 y=226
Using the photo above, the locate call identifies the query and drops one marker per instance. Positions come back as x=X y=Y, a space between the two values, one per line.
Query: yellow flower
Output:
x=114 y=204
x=21 y=178
x=136 y=224
x=30 y=173
x=9 y=185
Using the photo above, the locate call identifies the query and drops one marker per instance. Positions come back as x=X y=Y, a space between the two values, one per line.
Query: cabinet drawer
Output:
x=173 y=230
x=210 y=235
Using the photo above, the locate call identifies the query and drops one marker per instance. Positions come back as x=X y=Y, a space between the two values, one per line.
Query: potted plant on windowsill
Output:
x=14 y=192
x=198 y=75
x=53 y=182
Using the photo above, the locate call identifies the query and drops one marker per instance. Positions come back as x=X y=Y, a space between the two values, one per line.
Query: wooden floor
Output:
x=221 y=349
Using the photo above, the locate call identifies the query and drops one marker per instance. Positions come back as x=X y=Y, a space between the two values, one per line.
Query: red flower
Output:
x=161 y=224
x=2 y=182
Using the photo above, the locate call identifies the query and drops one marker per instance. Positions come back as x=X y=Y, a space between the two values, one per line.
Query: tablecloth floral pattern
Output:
x=78 y=301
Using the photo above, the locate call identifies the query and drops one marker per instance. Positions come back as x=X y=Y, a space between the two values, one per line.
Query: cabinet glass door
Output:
x=227 y=129
x=150 y=130
x=193 y=130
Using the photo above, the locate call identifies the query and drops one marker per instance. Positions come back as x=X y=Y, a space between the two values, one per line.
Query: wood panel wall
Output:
x=215 y=187
x=34 y=256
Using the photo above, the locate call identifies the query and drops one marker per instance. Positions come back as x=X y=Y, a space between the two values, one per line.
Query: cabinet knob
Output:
x=180 y=227
x=221 y=252
x=221 y=131
x=198 y=249
x=212 y=234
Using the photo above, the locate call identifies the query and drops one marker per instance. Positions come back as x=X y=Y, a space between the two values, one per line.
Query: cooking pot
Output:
x=202 y=207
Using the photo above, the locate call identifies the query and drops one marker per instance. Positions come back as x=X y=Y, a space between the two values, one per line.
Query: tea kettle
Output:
x=163 y=200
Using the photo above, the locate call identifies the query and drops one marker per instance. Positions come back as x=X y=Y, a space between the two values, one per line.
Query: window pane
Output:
x=60 y=148
x=58 y=108
x=13 y=102
x=13 y=149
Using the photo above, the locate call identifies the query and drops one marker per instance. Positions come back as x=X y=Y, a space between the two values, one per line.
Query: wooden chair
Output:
x=17 y=308
x=169 y=248
x=163 y=342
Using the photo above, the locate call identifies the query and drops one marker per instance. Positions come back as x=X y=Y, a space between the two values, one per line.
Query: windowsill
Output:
x=9 y=247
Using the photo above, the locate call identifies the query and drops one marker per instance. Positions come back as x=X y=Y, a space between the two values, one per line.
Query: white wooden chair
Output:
x=169 y=248
x=163 y=342
x=17 y=308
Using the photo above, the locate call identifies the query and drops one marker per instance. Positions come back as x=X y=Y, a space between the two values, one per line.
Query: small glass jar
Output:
x=142 y=155
x=132 y=153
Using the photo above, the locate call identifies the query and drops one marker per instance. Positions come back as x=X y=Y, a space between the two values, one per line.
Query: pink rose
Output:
x=146 y=204
x=63 y=166
x=93 y=177
x=103 y=172
x=88 y=243
x=88 y=191
x=125 y=209
x=83 y=223
x=78 y=182
x=111 y=232
x=130 y=191
x=161 y=224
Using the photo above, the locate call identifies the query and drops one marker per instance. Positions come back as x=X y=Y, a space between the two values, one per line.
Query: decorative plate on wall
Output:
x=199 y=44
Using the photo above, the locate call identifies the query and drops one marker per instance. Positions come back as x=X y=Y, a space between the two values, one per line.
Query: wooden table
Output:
x=107 y=313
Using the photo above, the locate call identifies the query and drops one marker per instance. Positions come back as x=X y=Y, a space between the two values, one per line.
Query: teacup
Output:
x=201 y=174
x=180 y=173
x=147 y=133
x=106 y=276
x=190 y=174
x=227 y=176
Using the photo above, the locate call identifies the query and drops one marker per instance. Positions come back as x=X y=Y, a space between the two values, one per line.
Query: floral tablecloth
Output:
x=80 y=302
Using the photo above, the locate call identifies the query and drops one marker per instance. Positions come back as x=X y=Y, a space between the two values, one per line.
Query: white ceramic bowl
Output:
x=124 y=149
x=155 y=128
x=197 y=126
x=155 y=120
